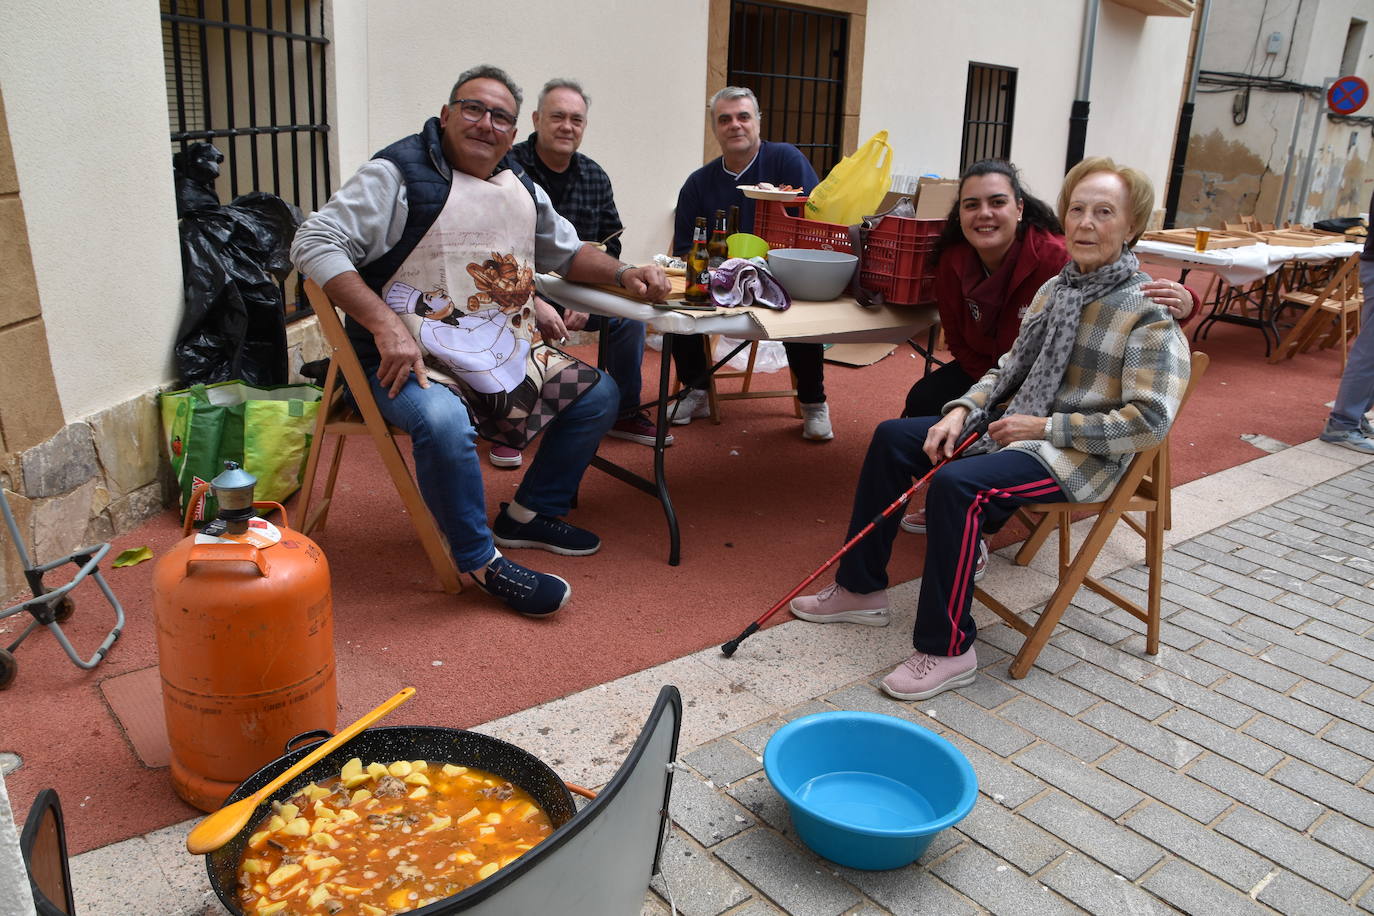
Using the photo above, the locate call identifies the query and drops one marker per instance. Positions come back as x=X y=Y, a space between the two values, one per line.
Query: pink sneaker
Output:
x=923 y=676
x=836 y=604
x=503 y=456
x=915 y=522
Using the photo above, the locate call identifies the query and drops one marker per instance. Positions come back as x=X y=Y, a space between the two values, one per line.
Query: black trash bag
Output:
x=1340 y=224
x=233 y=258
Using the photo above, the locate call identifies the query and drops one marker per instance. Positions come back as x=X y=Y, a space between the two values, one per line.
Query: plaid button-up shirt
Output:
x=587 y=201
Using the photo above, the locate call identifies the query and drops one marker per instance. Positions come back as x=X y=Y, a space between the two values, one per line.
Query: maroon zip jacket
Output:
x=1042 y=256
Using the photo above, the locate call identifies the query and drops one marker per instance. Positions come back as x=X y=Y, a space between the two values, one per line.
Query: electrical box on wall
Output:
x=1275 y=43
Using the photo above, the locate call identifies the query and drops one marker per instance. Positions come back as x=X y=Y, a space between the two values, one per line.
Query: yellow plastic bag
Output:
x=855 y=187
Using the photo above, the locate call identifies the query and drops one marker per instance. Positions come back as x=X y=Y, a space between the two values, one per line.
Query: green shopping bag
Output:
x=266 y=430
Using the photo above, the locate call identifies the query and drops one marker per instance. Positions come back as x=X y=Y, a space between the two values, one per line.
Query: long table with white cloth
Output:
x=1243 y=266
x=842 y=320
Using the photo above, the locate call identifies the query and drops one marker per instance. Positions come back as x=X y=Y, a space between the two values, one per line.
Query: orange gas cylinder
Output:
x=245 y=640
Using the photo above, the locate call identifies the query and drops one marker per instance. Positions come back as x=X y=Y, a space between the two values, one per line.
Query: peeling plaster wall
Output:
x=1238 y=170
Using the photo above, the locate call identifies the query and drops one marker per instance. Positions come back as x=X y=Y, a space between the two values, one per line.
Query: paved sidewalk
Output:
x=1230 y=773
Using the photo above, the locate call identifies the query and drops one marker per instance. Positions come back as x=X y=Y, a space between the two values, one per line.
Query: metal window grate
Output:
x=795 y=61
x=989 y=104
x=250 y=77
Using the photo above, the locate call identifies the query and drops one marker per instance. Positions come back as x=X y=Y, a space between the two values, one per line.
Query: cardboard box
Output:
x=935 y=197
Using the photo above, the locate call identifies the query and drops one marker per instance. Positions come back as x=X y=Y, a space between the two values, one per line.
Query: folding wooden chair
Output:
x=340 y=418
x=715 y=396
x=1330 y=315
x=1144 y=488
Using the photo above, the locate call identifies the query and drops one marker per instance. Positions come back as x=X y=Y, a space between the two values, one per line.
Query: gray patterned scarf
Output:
x=1035 y=366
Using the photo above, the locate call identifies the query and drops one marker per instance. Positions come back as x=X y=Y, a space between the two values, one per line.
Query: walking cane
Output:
x=729 y=648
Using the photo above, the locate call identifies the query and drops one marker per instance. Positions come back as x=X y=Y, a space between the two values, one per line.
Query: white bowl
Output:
x=812 y=273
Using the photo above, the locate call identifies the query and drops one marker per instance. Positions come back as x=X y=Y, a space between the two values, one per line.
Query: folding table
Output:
x=840 y=321
x=1240 y=267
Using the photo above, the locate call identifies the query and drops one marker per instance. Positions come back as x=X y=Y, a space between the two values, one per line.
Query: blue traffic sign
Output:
x=1347 y=95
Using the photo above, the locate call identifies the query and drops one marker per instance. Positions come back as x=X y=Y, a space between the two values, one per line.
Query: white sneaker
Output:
x=693 y=406
x=816 y=422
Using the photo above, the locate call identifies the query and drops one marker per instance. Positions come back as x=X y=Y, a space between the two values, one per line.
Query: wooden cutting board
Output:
x=677 y=282
x=1219 y=238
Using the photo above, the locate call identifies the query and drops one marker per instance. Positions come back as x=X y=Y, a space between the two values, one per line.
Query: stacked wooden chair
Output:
x=1330 y=313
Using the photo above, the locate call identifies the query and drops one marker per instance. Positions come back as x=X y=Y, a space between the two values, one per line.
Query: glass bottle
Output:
x=698 y=285
x=716 y=248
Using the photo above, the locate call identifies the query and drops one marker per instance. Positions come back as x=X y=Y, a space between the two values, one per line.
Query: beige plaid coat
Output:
x=1120 y=393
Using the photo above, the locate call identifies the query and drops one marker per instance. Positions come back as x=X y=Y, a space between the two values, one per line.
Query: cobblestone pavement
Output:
x=1230 y=773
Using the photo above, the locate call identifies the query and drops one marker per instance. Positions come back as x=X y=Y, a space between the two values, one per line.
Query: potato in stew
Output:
x=385 y=838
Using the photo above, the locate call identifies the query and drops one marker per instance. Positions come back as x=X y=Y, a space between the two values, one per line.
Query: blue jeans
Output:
x=624 y=357
x=1356 y=394
x=965 y=498
x=449 y=474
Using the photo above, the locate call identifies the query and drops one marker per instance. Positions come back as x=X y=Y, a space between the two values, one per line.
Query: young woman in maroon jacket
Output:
x=998 y=247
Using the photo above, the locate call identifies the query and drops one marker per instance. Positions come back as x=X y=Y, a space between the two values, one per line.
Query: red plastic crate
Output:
x=897 y=261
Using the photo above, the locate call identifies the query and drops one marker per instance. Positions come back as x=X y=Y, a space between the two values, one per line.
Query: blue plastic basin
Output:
x=867 y=790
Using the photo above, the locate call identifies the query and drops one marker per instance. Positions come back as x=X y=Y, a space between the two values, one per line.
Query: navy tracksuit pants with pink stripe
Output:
x=967 y=497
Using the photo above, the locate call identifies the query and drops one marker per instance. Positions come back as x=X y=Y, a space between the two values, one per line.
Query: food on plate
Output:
x=384 y=839
x=768 y=186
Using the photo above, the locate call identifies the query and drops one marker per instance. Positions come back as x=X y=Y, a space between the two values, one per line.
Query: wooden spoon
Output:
x=219 y=827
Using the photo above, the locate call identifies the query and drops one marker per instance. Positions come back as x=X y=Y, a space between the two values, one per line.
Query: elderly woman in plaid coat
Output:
x=1095 y=376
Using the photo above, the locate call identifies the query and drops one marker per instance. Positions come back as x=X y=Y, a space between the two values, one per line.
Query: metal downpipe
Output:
x=1078 y=116
x=1185 y=122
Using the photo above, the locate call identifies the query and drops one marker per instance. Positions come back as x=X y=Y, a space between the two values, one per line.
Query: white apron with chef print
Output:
x=466 y=294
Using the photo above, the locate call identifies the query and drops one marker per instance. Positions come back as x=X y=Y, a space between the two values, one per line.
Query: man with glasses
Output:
x=745 y=159
x=581 y=192
x=430 y=250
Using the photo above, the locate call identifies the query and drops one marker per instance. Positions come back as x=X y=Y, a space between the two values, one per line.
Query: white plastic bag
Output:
x=771 y=358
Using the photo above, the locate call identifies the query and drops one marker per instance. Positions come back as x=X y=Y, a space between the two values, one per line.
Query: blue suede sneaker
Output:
x=533 y=594
x=543 y=532
x=1354 y=439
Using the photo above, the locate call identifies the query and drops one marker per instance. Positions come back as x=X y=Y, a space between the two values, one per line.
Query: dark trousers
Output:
x=806 y=360
x=932 y=392
x=965 y=498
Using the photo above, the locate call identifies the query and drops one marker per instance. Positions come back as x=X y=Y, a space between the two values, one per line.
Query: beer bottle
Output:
x=698 y=285
x=733 y=225
x=717 y=248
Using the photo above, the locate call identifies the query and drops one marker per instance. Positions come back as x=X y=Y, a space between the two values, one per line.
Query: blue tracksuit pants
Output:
x=965 y=498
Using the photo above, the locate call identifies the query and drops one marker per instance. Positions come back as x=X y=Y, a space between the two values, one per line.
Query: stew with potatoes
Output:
x=385 y=838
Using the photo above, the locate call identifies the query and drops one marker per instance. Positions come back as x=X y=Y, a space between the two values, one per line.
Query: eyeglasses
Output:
x=472 y=110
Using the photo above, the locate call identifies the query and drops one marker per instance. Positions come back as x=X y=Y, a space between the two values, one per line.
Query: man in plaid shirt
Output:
x=581 y=193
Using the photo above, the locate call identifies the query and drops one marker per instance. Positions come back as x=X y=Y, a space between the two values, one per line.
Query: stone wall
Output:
x=94 y=479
